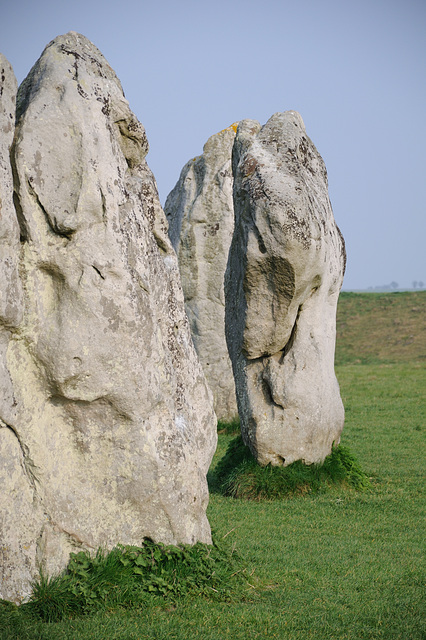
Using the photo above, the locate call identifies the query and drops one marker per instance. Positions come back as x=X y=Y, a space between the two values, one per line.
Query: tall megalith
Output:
x=284 y=274
x=201 y=222
x=110 y=429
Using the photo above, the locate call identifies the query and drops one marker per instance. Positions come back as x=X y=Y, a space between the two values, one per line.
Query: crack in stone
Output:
x=269 y=394
x=54 y=527
x=27 y=464
x=73 y=538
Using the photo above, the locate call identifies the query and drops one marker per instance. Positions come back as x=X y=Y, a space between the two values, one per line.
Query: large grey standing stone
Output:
x=201 y=222
x=113 y=415
x=284 y=274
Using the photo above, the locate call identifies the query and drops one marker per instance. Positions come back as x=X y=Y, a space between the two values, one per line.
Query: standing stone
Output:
x=201 y=222
x=113 y=417
x=284 y=274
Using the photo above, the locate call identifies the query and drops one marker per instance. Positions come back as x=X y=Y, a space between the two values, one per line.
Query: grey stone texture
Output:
x=201 y=223
x=15 y=474
x=285 y=270
x=108 y=427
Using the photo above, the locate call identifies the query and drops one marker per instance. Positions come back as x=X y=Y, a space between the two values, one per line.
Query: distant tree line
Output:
x=394 y=286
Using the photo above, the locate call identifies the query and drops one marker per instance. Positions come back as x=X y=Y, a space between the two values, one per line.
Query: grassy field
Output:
x=338 y=565
x=381 y=327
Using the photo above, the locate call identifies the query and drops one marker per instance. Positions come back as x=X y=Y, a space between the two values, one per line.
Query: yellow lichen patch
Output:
x=232 y=126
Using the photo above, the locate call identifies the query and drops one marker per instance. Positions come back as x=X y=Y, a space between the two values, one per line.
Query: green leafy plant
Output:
x=238 y=474
x=130 y=576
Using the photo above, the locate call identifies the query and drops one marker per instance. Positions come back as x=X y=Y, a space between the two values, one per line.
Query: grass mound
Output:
x=135 y=576
x=238 y=475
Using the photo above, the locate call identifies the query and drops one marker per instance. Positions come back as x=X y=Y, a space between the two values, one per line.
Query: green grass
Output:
x=229 y=427
x=338 y=565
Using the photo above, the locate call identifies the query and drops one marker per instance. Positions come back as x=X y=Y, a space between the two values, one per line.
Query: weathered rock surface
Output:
x=10 y=289
x=284 y=274
x=15 y=485
x=113 y=428
x=10 y=286
x=201 y=222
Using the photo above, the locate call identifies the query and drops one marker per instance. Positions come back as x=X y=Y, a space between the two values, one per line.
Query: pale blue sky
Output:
x=356 y=71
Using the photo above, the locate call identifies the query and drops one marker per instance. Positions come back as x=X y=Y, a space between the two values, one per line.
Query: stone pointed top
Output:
x=71 y=56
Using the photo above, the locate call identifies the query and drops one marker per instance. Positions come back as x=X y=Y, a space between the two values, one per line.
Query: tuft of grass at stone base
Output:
x=134 y=577
x=238 y=475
